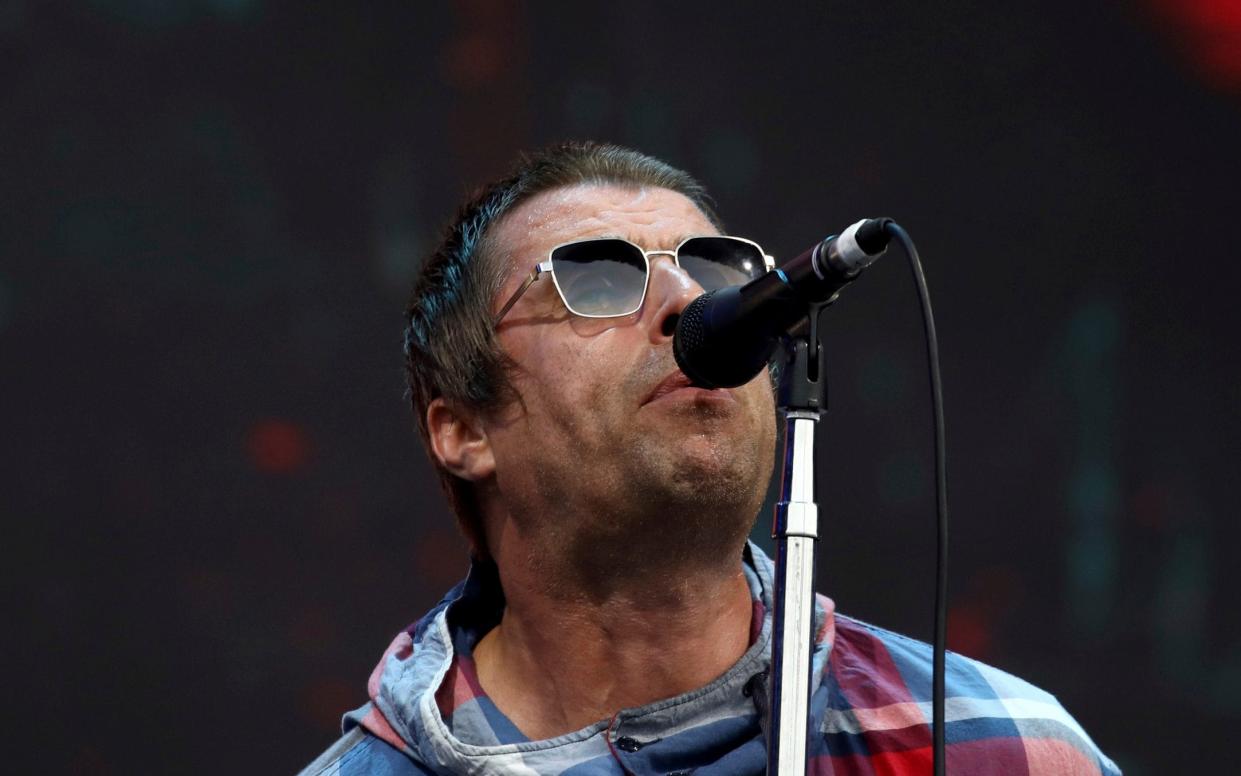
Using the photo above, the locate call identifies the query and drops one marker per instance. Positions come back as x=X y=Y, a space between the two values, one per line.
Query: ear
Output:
x=459 y=441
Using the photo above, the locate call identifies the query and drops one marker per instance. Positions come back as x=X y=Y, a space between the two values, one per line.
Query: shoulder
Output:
x=880 y=683
x=358 y=752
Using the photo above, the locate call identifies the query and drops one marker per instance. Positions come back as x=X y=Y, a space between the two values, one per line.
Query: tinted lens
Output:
x=600 y=277
x=715 y=262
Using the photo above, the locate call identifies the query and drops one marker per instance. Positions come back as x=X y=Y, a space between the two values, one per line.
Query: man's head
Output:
x=551 y=410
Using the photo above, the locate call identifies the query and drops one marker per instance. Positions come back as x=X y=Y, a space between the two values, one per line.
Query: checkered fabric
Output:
x=871 y=709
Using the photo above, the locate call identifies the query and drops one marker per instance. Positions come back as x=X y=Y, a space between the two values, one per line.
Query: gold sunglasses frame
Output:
x=545 y=268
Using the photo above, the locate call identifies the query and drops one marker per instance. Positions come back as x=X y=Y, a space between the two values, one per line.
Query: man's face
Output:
x=607 y=442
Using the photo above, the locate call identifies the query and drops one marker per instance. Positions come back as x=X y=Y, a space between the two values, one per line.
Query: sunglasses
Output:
x=606 y=277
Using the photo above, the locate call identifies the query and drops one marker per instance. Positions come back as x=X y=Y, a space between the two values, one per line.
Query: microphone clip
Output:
x=802 y=368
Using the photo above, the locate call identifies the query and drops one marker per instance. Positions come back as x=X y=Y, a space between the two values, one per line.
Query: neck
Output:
x=559 y=662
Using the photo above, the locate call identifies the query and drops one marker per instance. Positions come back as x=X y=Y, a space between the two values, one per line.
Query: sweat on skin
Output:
x=616 y=499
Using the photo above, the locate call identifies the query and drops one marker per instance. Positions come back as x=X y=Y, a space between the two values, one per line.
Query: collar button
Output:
x=627 y=744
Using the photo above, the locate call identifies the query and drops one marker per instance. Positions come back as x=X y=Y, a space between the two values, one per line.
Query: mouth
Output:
x=677 y=385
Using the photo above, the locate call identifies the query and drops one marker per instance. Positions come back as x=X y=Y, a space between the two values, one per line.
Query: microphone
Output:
x=725 y=337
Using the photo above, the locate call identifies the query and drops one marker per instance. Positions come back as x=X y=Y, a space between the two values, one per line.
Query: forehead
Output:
x=654 y=218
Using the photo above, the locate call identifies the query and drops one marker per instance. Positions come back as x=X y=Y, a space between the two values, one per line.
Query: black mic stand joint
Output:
x=803 y=377
x=802 y=398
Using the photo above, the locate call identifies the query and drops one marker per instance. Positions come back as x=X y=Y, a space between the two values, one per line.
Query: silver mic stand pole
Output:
x=802 y=399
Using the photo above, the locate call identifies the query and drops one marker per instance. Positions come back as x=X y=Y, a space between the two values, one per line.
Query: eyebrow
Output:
x=680 y=239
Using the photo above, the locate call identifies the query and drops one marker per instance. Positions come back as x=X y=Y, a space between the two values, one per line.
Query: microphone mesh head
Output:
x=690 y=328
x=715 y=346
x=689 y=335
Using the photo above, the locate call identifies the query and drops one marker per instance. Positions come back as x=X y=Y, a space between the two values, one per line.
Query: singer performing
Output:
x=615 y=619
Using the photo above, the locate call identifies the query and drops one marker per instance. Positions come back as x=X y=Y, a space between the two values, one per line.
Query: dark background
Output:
x=216 y=511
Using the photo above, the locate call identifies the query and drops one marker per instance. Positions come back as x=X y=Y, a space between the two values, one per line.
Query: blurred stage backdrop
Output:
x=216 y=511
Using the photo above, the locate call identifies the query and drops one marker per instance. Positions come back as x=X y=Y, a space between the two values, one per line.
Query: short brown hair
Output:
x=450 y=347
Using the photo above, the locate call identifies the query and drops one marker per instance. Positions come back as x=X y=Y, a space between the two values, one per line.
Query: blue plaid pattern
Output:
x=871 y=709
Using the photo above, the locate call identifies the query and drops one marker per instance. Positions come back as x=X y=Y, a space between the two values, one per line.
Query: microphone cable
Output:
x=941 y=499
x=726 y=336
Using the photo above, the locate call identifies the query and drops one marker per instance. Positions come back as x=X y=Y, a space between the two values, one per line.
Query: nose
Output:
x=670 y=291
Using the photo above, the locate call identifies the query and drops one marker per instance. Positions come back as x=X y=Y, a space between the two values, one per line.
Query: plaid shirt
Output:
x=871 y=708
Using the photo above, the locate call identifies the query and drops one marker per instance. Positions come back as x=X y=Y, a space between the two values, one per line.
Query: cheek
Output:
x=593 y=327
x=566 y=394
x=588 y=363
x=760 y=393
x=761 y=402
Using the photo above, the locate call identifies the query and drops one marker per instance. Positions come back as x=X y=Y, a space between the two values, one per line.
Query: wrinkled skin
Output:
x=616 y=499
x=591 y=467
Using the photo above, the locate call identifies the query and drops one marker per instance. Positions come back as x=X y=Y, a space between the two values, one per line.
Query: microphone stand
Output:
x=802 y=399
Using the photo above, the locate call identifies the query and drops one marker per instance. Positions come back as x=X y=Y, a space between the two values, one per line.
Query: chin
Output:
x=719 y=484
x=715 y=475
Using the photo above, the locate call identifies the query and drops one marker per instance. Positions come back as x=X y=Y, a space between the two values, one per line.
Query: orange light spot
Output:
x=969 y=632
x=277 y=446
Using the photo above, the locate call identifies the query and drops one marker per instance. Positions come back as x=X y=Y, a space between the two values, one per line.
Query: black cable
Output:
x=941 y=497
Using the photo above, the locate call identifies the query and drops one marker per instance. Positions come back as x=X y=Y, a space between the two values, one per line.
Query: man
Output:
x=615 y=619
